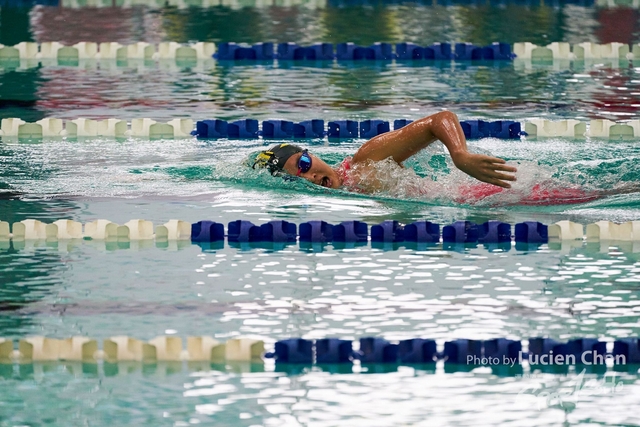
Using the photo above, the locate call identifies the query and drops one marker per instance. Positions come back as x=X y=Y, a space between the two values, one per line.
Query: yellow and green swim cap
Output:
x=275 y=157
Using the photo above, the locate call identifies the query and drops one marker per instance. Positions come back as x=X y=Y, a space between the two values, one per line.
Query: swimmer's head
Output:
x=275 y=158
x=289 y=160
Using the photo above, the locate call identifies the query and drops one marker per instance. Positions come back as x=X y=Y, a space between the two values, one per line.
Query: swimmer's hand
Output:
x=485 y=168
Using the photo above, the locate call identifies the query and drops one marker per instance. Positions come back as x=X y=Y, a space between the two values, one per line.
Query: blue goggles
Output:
x=304 y=164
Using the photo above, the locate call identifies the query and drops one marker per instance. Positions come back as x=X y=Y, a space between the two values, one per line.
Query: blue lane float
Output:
x=409 y=51
x=498 y=51
x=460 y=232
x=417 y=350
x=439 y=52
x=230 y=51
x=493 y=52
x=422 y=232
x=294 y=350
x=316 y=231
x=459 y=351
x=345 y=51
x=375 y=52
x=468 y=52
x=243 y=129
x=469 y=232
x=251 y=129
x=211 y=129
x=207 y=231
x=278 y=231
x=629 y=348
x=323 y=232
x=333 y=350
x=388 y=231
x=540 y=346
x=351 y=232
x=586 y=351
x=377 y=350
x=460 y=52
x=278 y=129
x=241 y=231
x=468 y=352
x=371 y=128
x=501 y=348
x=531 y=232
x=319 y=52
x=339 y=129
x=502 y=129
x=358 y=232
x=353 y=52
x=292 y=51
x=316 y=52
x=309 y=129
x=400 y=123
x=494 y=232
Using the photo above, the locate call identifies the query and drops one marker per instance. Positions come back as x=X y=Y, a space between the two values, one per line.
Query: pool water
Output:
x=273 y=292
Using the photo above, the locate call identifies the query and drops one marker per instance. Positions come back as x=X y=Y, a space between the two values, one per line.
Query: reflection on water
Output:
x=363 y=24
x=97 y=289
x=28 y=276
x=434 y=292
x=577 y=292
x=392 y=91
x=300 y=91
x=408 y=396
x=293 y=92
x=25 y=278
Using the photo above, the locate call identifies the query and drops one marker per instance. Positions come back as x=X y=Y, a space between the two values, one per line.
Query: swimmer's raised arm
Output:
x=404 y=143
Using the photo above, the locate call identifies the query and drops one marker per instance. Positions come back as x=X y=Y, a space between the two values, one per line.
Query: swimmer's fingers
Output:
x=498 y=182
x=491 y=176
x=496 y=179
x=500 y=179
x=504 y=168
x=500 y=164
x=486 y=169
x=501 y=175
x=497 y=175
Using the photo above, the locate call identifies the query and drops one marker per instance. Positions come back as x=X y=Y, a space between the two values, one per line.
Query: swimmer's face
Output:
x=320 y=172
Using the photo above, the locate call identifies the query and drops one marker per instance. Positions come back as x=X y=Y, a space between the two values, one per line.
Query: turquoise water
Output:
x=560 y=290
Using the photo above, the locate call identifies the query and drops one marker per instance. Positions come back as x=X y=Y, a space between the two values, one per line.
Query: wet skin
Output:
x=406 y=142
x=320 y=172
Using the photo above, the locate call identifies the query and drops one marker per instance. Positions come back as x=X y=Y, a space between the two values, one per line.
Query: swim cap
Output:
x=275 y=157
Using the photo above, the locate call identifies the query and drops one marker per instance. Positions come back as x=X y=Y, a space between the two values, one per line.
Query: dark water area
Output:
x=507 y=90
x=362 y=23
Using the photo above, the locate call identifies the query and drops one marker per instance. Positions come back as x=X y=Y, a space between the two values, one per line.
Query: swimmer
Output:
x=357 y=172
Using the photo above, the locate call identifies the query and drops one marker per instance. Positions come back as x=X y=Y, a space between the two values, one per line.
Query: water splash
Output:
x=431 y=178
x=560 y=172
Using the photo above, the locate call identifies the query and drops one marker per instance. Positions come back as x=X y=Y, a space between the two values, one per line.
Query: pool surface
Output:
x=144 y=289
